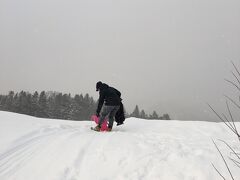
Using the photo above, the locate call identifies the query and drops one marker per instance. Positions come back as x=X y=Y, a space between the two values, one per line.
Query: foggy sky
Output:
x=170 y=56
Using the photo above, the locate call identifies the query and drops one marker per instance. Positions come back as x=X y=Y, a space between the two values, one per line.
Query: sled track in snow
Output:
x=29 y=146
x=75 y=170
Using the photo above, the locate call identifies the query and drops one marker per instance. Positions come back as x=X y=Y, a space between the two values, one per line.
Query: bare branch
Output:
x=235 y=162
x=224 y=160
x=229 y=123
x=230 y=113
x=235 y=68
x=230 y=148
x=236 y=153
x=235 y=77
x=218 y=172
x=235 y=129
x=234 y=84
x=221 y=119
x=233 y=101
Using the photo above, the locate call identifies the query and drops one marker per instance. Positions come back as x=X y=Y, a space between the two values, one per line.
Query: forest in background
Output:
x=56 y=105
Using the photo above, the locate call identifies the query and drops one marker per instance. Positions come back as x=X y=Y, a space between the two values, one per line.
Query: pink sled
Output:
x=104 y=124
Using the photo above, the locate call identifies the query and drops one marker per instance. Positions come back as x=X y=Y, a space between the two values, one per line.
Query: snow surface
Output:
x=42 y=149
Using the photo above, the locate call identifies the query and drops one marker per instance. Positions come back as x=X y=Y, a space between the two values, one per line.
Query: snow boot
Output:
x=97 y=128
x=109 y=129
x=119 y=123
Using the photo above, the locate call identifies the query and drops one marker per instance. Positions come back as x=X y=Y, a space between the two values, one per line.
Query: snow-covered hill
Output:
x=41 y=149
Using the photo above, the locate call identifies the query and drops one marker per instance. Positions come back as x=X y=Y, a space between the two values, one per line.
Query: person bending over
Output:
x=108 y=104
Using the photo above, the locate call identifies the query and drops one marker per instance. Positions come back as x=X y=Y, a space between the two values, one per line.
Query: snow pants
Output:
x=111 y=112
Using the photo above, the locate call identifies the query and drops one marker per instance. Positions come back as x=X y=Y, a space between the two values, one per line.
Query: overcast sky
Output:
x=166 y=55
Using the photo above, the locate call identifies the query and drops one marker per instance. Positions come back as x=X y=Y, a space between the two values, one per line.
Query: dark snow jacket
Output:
x=109 y=95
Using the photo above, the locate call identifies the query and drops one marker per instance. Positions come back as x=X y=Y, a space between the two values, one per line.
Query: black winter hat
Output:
x=98 y=85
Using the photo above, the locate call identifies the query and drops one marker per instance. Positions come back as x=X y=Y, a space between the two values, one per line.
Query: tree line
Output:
x=53 y=105
x=56 y=105
x=141 y=114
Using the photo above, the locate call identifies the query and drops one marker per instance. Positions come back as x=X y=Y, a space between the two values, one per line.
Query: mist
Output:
x=168 y=56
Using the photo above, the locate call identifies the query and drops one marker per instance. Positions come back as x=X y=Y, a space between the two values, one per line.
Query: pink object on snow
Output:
x=104 y=124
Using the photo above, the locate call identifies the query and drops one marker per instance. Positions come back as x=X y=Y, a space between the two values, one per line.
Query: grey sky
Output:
x=171 y=56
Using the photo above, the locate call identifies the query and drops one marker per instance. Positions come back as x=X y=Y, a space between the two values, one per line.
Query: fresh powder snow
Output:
x=45 y=149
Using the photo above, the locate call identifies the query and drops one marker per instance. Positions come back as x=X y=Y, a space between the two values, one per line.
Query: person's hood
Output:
x=103 y=86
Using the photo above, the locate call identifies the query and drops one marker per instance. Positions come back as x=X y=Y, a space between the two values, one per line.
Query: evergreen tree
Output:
x=42 y=105
x=86 y=98
x=1 y=102
x=81 y=98
x=16 y=104
x=85 y=113
x=75 y=111
x=28 y=105
x=66 y=106
x=57 y=106
x=166 y=117
x=136 y=113
x=143 y=114
x=34 y=104
x=23 y=103
x=9 y=101
x=154 y=115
